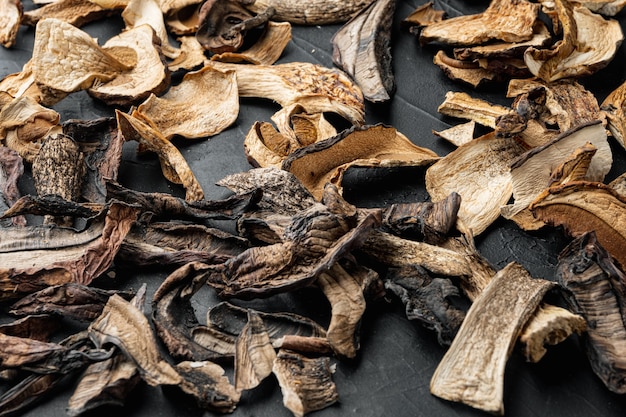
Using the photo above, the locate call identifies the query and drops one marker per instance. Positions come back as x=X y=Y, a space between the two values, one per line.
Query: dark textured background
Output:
x=391 y=374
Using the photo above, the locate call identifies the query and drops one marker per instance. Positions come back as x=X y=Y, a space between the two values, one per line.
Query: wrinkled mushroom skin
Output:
x=311 y=12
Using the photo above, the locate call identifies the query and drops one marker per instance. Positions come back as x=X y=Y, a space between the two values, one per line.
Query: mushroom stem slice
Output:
x=472 y=370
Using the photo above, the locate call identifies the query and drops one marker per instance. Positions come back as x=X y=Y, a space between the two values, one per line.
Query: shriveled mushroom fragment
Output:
x=583 y=206
x=74 y=12
x=254 y=355
x=479 y=172
x=207 y=384
x=472 y=370
x=11 y=170
x=468 y=72
x=423 y=15
x=191 y=55
x=149 y=73
x=316 y=88
x=22 y=83
x=505 y=20
x=574 y=168
x=362 y=48
x=458 y=134
x=530 y=174
x=306 y=383
x=464 y=106
x=217 y=105
x=139 y=12
x=11 y=12
x=314 y=12
x=181 y=17
x=589 y=43
x=173 y=164
x=266 y=50
x=614 y=107
x=37 y=327
x=369 y=146
x=596 y=287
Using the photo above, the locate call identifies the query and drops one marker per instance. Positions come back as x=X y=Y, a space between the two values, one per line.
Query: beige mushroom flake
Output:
x=10 y=17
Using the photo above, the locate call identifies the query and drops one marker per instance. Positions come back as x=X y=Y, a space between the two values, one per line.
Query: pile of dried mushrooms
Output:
x=541 y=162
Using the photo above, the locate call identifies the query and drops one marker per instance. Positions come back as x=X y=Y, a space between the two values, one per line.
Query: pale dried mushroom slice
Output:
x=614 y=107
x=316 y=88
x=575 y=167
x=254 y=354
x=266 y=50
x=66 y=59
x=584 y=206
x=458 y=134
x=22 y=83
x=314 y=12
x=368 y=146
x=173 y=164
x=216 y=108
x=362 y=48
x=461 y=105
x=139 y=12
x=468 y=72
x=589 y=43
x=191 y=55
x=265 y=147
x=11 y=12
x=472 y=370
x=479 y=171
x=74 y=12
x=149 y=73
x=504 y=20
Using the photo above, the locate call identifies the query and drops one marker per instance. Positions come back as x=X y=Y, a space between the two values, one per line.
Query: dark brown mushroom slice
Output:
x=37 y=327
x=427 y=300
x=29 y=391
x=11 y=15
x=254 y=354
x=314 y=12
x=207 y=384
x=53 y=206
x=35 y=257
x=304 y=344
x=71 y=300
x=75 y=12
x=596 y=287
x=362 y=48
x=11 y=170
x=472 y=370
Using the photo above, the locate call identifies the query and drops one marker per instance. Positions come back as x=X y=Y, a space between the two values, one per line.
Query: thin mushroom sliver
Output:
x=472 y=370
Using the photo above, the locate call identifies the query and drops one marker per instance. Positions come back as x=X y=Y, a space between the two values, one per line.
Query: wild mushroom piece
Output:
x=614 y=107
x=207 y=384
x=266 y=50
x=52 y=255
x=11 y=12
x=458 y=134
x=583 y=206
x=254 y=355
x=317 y=88
x=38 y=327
x=604 y=7
x=11 y=170
x=22 y=83
x=423 y=15
x=74 y=12
x=306 y=383
x=464 y=106
x=368 y=146
x=531 y=172
x=472 y=370
x=314 y=12
x=479 y=172
x=173 y=164
x=181 y=17
x=66 y=59
x=149 y=73
x=139 y=12
x=589 y=43
x=362 y=48
x=505 y=20
x=468 y=72
x=217 y=105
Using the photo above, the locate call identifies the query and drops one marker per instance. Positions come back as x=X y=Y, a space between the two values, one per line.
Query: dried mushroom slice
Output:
x=149 y=73
x=254 y=355
x=173 y=164
x=614 y=107
x=181 y=17
x=459 y=134
x=464 y=106
x=531 y=172
x=604 y=7
x=595 y=287
x=11 y=170
x=479 y=172
x=468 y=72
x=207 y=384
x=306 y=383
x=265 y=147
x=362 y=48
x=217 y=105
x=472 y=370
x=22 y=83
x=66 y=59
x=191 y=55
x=316 y=88
x=139 y=12
x=314 y=12
x=583 y=206
x=423 y=15
x=368 y=146
x=505 y=20
x=74 y=12
x=11 y=12
x=266 y=50
x=37 y=327
x=589 y=43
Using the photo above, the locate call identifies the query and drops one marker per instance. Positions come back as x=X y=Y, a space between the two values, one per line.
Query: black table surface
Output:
x=392 y=371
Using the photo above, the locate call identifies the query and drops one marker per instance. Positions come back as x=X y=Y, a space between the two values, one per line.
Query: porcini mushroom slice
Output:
x=595 y=287
x=368 y=146
x=530 y=174
x=191 y=55
x=306 y=383
x=11 y=170
x=66 y=59
x=217 y=105
x=139 y=12
x=35 y=257
x=468 y=72
x=589 y=43
x=254 y=355
x=464 y=106
x=316 y=88
x=583 y=206
x=22 y=83
x=505 y=20
x=423 y=15
x=614 y=107
x=126 y=327
x=74 y=12
x=206 y=383
x=173 y=164
x=479 y=172
x=11 y=12
x=266 y=50
x=458 y=134
x=362 y=48
x=314 y=12
x=149 y=73
x=472 y=370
